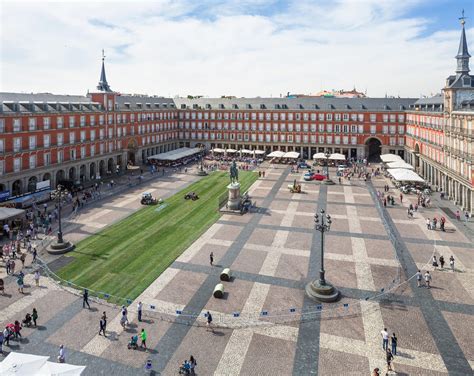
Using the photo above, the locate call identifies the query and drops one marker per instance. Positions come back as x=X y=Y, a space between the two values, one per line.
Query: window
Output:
x=329 y=117
x=92 y=150
x=384 y=129
x=360 y=117
x=321 y=127
x=373 y=118
x=110 y=119
x=16 y=144
x=2 y=125
x=46 y=140
x=401 y=118
x=17 y=165
x=46 y=123
x=373 y=129
x=361 y=128
x=393 y=118
x=92 y=120
x=59 y=122
x=32 y=124
x=72 y=137
x=321 y=117
x=92 y=134
x=83 y=152
x=83 y=136
x=2 y=145
x=71 y=121
x=32 y=142
x=337 y=128
x=60 y=139
x=72 y=154
x=83 y=120
x=16 y=125
x=329 y=127
x=401 y=129
x=393 y=129
x=385 y=118
x=60 y=155
x=32 y=161
x=46 y=159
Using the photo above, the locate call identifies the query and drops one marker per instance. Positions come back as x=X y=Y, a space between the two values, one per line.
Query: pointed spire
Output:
x=103 y=85
x=463 y=54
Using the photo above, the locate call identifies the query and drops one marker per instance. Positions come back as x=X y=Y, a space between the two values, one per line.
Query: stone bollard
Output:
x=218 y=291
x=225 y=275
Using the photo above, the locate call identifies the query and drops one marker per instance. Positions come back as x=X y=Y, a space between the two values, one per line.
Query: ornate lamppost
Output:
x=320 y=289
x=327 y=180
x=60 y=246
x=201 y=171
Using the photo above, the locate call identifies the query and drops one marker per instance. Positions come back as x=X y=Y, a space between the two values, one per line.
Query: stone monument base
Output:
x=56 y=248
x=326 y=293
x=233 y=203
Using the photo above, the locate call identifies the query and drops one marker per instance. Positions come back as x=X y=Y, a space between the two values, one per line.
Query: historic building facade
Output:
x=440 y=134
x=82 y=138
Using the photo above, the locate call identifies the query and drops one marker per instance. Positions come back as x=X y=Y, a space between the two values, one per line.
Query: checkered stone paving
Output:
x=265 y=325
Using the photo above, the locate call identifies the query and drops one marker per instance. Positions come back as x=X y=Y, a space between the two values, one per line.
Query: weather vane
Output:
x=462 y=18
x=103 y=54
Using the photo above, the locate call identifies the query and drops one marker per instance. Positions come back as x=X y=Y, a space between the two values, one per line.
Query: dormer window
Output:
x=235 y=107
x=208 y=106
x=262 y=107
x=466 y=81
x=183 y=106
x=248 y=106
x=221 y=106
x=277 y=106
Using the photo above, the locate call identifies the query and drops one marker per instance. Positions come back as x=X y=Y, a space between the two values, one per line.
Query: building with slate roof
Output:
x=47 y=137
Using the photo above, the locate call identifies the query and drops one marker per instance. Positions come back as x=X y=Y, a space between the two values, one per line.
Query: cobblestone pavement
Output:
x=265 y=325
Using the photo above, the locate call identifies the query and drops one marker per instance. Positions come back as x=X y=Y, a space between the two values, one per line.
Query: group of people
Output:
x=389 y=352
x=188 y=366
x=431 y=224
x=12 y=331
x=442 y=262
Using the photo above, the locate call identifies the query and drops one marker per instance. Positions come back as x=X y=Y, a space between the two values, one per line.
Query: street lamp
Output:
x=327 y=155
x=320 y=289
x=201 y=171
x=60 y=246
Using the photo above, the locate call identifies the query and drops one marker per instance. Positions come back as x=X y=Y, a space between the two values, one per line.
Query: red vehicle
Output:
x=311 y=176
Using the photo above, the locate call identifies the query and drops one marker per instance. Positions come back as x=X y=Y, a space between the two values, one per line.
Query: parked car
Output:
x=313 y=176
x=303 y=165
x=308 y=176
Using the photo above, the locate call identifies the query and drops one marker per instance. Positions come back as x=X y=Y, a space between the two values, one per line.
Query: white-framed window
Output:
x=329 y=117
x=345 y=117
x=72 y=137
x=83 y=152
x=373 y=118
x=32 y=124
x=60 y=155
x=59 y=122
x=2 y=145
x=401 y=129
x=72 y=121
x=373 y=129
x=46 y=159
x=92 y=150
x=16 y=125
x=385 y=129
x=92 y=120
x=361 y=128
x=16 y=144
x=16 y=164
x=92 y=134
x=102 y=118
x=46 y=123
x=72 y=154
x=32 y=142
x=82 y=120
x=83 y=136
x=32 y=161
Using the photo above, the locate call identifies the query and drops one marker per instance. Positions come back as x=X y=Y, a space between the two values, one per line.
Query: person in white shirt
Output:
x=139 y=310
x=62 y=355
x=384 y=334
x=428 y=279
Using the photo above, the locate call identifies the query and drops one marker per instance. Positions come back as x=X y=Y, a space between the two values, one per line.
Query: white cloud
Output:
x=217 y=47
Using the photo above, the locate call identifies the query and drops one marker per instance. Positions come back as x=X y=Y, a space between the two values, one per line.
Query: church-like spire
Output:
x=463 y=54
x=103 y=85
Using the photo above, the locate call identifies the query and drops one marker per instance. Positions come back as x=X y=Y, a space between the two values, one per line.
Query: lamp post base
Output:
x=57 y=248
x=328 y=182
x=202 y=173
x=326 y=293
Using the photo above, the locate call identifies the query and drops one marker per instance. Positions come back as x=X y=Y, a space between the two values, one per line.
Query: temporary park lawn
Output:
x=126 y=257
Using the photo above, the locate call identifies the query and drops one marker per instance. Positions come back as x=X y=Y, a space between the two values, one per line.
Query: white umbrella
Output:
x=61 y=369
x=337 y=157
x=400 y=164
x=218 y=150
x=402 y=174
x=20 y=364
x=319 y=156
x=259 y=151
x=291 y=154
x=276 y=154
x=390 y=158
x=231 y=151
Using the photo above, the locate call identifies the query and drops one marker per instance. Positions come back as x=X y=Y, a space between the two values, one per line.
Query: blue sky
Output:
x=232 y=47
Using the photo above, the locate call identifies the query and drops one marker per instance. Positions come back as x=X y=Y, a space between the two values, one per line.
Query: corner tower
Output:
x=103 y=84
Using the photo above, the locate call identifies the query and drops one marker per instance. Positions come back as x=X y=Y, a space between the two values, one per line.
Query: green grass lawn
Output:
x=126 y=257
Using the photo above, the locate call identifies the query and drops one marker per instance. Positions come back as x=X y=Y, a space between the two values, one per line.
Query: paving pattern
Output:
x=265 y=325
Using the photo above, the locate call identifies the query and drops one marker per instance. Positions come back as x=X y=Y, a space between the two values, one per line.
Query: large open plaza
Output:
x=265 y=325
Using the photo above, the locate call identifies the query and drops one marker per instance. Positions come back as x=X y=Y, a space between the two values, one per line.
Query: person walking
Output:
x=419 y=278
x=143 y=338
x=34 y=316
x=458 y=215
x=441 y=262
x=428 y=223
x=401 y=198
x=6 y=336
x=389 y=358
x=451 y=262
x=85 y=299
x=20 y=283
x=209 y=322
x=428 y=279
x=394 y=341
x=376 y=372
x=102 y=325
x=211 y=258
x=22 y=259
x=62 y=355
x=35 y=254
x=384 y=335
x=193 y=364
x=139 y=310
x=466 y=216
x=434 y=262
x=37 y=278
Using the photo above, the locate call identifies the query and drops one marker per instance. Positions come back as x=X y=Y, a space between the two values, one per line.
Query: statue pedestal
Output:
x=233 y=203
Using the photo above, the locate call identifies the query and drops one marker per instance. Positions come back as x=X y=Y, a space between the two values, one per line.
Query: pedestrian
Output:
x=428 y=279
x=193 y=364
x=8 y=266
x=441 y=224
x=17 y=329
x=20 y=283
x=143 y=338
x=139 y=310
x=384 y=202
x=123 y=319
x=458 y=215
x=466 y=216
x=37 y=278
x=35 y=253
x=419 y=277
x=416 y=207
x=1 y=342
x=428 y=224
x=6 y=336
x=389 y=360
x=102 y=325
x=211 y=258
x=62 y=355
x=401 y=198
x=441 y=261
x=384 y=335
x=22 y=259
x=85 y=299
x=394 y=344
x=209 y=322
x=451 y=262
x=34 y=316
x=434 y=262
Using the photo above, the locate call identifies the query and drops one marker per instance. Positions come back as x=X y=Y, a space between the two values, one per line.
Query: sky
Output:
x=232 y=47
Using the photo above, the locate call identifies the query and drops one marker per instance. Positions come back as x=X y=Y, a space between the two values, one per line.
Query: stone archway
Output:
x=132 y=148
x=102 y=170
x=59 y=176
x=92 y=171
x=111 y=167
x=72 y=174
x=32 y=184
x=82 y=173
x=47 y=176
x=373 y=149
x=3 y=187
x=17 y=188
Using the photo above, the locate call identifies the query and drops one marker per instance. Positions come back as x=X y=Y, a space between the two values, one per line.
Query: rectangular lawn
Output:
x=126 y=257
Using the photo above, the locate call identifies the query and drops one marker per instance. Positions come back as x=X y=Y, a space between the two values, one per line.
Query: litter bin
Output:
x=225 y=275
x=218 y=291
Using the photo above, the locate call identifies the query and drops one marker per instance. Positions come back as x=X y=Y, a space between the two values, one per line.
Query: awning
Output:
x=218 y=150
x=231 y=151
x=390 y=158
x=276 y=154
x=337 y=157
x=319 y=156
x=20 y=364
x=291 y=154
x=259 y=151
x=246 y=151
x=174 y=155
x=7 y=213
x=401 y=174
x=400 y=164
